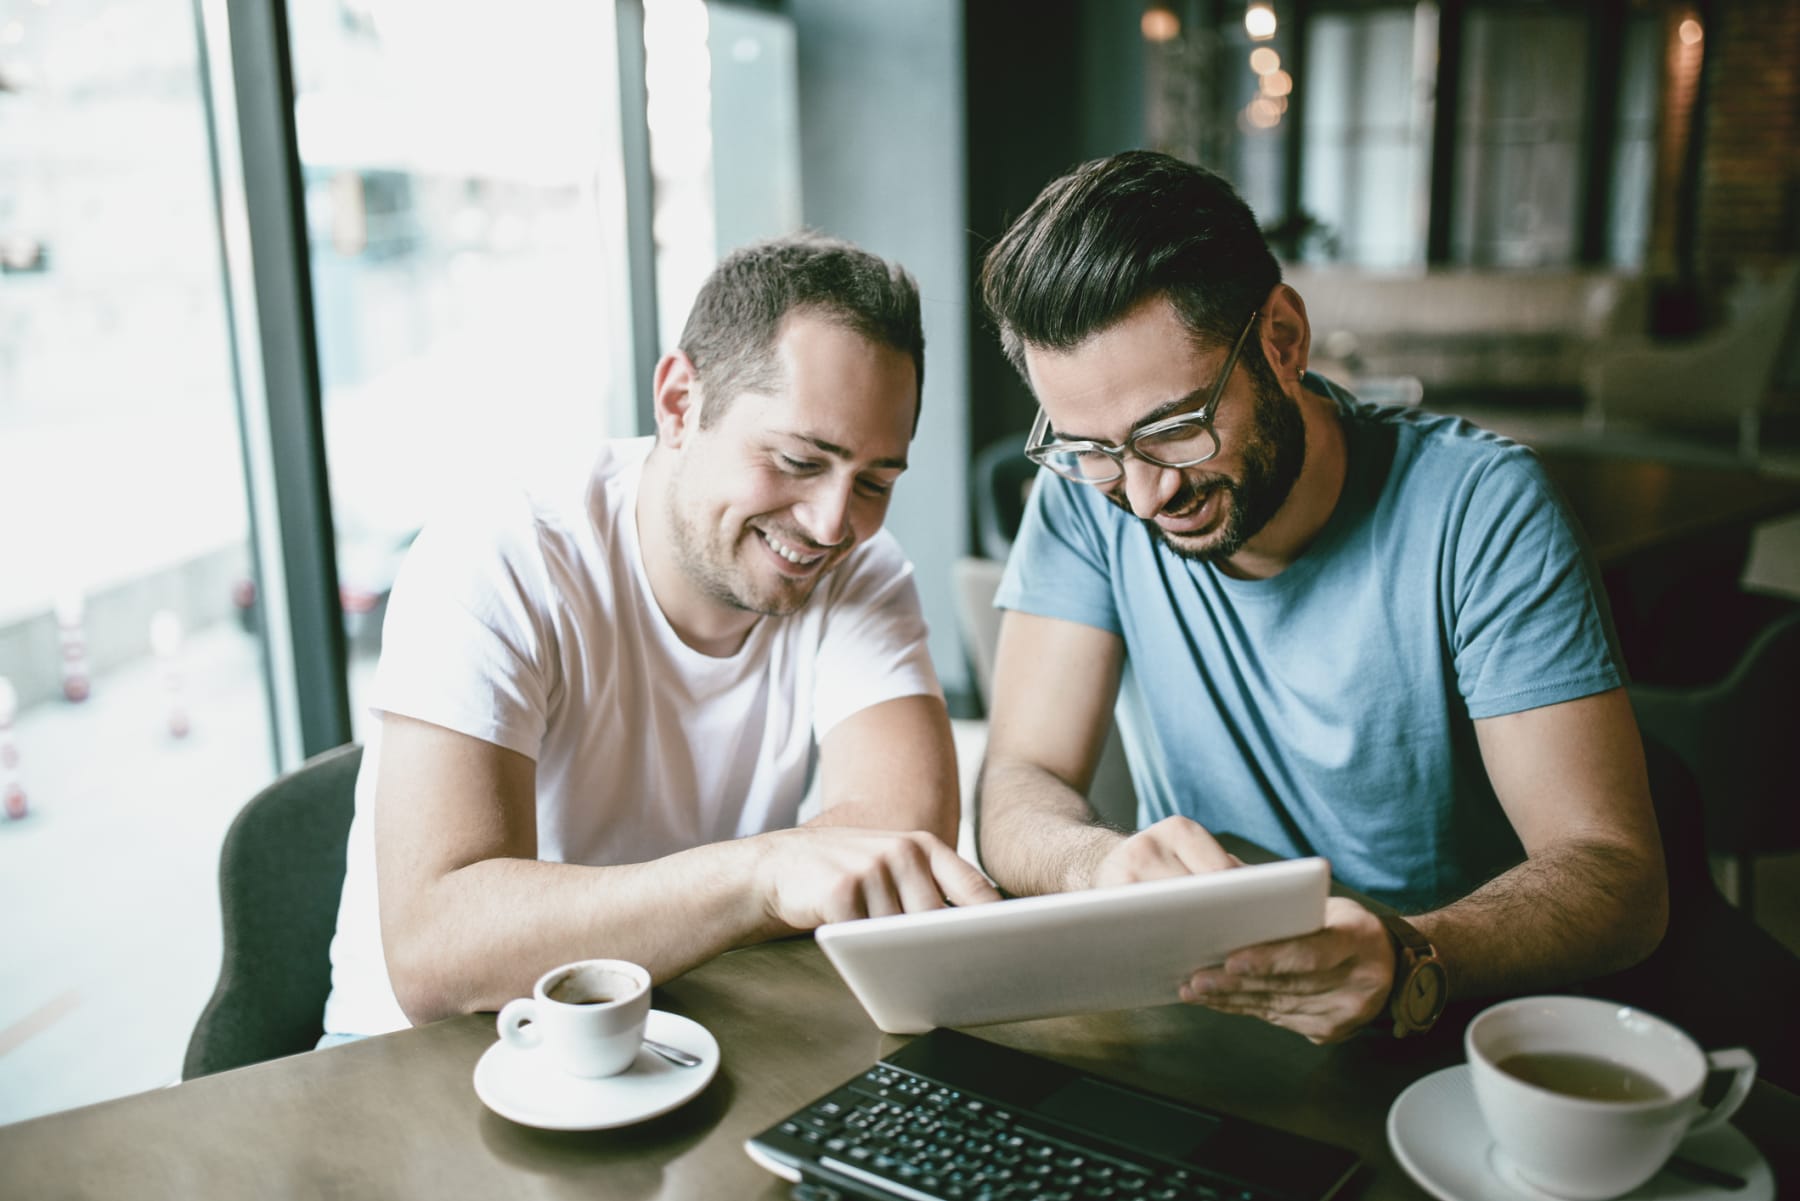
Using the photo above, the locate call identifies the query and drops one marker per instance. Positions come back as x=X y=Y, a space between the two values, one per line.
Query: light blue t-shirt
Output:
x=1329 y=710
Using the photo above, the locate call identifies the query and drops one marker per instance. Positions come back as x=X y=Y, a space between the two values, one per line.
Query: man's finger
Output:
x=1227 y=984
x=1316 y=952
x=880 y=899
x=1196 y=849
x=957 y=878
x=916 y=883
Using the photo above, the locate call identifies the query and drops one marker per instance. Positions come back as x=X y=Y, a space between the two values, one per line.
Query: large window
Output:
x=465 y=213
x=133 y=716
x=1368 y=134
x=1519 y=138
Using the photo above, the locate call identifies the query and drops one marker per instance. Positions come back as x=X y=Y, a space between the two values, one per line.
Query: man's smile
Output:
x=792 y=554
x=1197 y=509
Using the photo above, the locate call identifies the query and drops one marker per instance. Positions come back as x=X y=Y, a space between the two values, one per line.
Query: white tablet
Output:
x=1072 y=952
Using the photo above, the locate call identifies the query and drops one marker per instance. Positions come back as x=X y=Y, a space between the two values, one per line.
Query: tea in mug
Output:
x=1586 y=1076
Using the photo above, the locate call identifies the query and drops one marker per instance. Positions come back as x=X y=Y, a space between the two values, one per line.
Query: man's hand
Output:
x=1174 y=846
x=1326 y=985
x=817 y=874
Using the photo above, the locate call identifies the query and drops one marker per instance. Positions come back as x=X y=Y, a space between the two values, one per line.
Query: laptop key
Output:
x=921 y=1138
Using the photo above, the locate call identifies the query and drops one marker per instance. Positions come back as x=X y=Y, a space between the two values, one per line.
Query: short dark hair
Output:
x=1115 y=231
x=731 y=330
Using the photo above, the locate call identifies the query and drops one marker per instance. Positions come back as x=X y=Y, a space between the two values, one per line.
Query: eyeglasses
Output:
x=1184 y=441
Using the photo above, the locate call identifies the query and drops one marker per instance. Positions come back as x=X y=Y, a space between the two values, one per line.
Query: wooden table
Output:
x=397 y=1116
x=1637 y=508
x=1672 y=541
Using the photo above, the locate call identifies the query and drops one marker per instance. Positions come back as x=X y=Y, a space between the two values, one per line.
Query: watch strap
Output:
x=1413 y=953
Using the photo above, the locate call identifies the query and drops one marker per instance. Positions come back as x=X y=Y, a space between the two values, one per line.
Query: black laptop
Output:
x=950 y=1117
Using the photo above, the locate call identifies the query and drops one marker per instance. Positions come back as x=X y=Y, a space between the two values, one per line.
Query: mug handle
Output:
x=518 y=1025
x=1742 y=1065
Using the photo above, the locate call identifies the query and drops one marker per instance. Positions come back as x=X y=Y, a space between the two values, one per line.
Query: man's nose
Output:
x=1149 y=487
x=825 y=513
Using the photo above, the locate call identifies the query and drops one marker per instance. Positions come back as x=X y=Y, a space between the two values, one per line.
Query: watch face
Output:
x=1424 y=994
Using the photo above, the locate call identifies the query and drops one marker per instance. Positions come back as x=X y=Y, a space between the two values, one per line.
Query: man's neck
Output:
x=1309 y=503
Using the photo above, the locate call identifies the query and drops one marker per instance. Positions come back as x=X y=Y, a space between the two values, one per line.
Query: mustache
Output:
x=1192 y=489
x=801 y=542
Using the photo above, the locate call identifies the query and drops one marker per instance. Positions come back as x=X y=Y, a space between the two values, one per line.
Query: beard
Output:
x=714 y=568
x=1273 y=456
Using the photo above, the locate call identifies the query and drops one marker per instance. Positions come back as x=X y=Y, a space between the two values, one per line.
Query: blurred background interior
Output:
x=277 y=279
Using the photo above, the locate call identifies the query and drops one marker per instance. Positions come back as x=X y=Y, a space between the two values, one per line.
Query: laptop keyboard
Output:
x=918 y=1139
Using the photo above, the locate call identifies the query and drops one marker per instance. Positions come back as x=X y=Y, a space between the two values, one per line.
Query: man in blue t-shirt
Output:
x=1328 y=627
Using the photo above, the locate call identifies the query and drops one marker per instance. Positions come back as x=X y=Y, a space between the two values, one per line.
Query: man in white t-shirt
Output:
x=603 y=701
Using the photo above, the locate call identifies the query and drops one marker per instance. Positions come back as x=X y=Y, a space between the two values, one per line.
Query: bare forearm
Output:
x=479 y=936
x=1566 y=914
x=939 y=818
x=1036 y=834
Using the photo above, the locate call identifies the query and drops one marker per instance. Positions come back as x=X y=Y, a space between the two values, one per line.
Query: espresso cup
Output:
x=1587 y=1099
x=587 y=1017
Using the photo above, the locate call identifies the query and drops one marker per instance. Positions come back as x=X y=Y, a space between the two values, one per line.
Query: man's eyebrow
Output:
x=1167 y=408
x=836 y=451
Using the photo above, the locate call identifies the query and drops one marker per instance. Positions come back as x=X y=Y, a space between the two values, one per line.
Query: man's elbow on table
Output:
x=1638 y=892
x=424 y=977
x=1647 y=920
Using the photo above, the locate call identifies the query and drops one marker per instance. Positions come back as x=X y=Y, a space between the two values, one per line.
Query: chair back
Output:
x=1736 y=736
x=976 y=580
x=281 y=870
x=1001 y=476
x=1717 y=974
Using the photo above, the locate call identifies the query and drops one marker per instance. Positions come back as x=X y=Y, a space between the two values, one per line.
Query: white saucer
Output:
x=527 y=1087
x=1438 y=1136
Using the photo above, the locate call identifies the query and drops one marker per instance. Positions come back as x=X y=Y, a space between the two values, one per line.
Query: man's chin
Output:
x=1207 y=547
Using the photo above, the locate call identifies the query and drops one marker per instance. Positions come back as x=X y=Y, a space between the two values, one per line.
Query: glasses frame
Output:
x=1039 y=451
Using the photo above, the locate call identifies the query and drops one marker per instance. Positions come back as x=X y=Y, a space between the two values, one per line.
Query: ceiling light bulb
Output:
x=1160 y=24
x=1259 y=21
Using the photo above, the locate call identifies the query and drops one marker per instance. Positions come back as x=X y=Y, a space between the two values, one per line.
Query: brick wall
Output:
x=1750 y=170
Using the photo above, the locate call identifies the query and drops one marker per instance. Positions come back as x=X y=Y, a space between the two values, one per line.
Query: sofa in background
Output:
x=1468 y=333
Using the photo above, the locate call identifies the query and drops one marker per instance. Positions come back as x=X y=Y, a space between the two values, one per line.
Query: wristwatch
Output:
x=1421 y=985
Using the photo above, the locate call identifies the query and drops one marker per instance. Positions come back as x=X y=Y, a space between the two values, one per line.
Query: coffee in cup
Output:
x=1586 y=1098
x=587 y=1017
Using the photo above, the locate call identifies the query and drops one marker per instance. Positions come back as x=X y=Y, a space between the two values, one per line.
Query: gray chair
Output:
x=1737 y=738
x=1717 y=974
x=281 y=869
x=1724 y=377
x=975 y=580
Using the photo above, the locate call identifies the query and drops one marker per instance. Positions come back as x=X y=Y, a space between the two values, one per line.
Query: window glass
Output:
x=464 y=198
x=722 y=94
x=133 y=713
x=1368 y=136
x=1634 y=148
x=1519 y=129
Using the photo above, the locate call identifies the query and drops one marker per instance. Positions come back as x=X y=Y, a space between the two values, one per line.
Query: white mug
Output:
x=588 y=1017
x=1586 y=1098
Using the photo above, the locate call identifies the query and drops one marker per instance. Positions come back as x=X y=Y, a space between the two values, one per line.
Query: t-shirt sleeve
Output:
x=873 y=646
x=464 y=645
x=1530 y=626
x=1059 y=565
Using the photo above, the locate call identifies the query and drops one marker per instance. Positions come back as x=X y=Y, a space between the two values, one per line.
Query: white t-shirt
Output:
x=530 y=624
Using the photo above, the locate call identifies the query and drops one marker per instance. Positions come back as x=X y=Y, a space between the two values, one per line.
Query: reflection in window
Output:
x=1634 y=144
x=133 y=710
x=1518 y=162
x=464 y=195
x=724 y=117
x=1368 y=134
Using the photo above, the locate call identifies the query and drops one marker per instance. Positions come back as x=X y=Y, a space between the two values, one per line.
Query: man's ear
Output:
x=677 y=399
x=1286 y=334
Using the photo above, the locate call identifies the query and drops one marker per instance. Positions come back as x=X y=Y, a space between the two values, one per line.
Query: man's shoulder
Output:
x=556 y=530
x=1429 y=450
